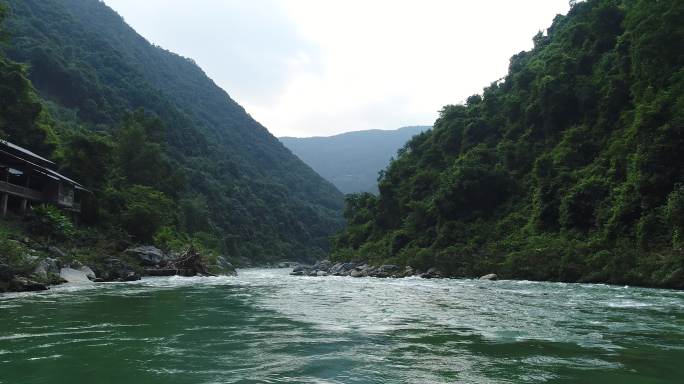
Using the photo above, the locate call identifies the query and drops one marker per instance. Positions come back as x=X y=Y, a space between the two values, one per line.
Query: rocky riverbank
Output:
x=38 y=269
x=328 y=268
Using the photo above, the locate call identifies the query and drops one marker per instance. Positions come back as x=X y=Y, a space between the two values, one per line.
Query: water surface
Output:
x=265 y=326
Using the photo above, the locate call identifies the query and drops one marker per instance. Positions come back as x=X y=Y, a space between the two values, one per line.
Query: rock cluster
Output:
x=53 y=266
x=189 y=263
x=148 y=256
x=115 y=269
x=11 y=282
x=327 y=268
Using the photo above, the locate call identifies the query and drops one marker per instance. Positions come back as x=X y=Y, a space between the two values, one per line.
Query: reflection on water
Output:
x=265 y=326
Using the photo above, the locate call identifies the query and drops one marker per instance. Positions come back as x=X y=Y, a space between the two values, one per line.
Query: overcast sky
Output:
x=320 y=67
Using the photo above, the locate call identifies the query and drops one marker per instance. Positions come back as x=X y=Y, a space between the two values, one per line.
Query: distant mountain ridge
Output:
x=352 y=160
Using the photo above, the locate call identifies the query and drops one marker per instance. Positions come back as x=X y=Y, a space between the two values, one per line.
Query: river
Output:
x=265 y=326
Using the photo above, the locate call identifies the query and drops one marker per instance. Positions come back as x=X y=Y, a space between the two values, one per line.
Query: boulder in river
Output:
x=148 y=255
x=22 y=284
x=224 y=267
x=386 y=270
x=114 y=269
x=490 y=276
x=90 y=274
x=408 y=271
x=432 y=273
x=74 y=276
x=361 y=271
x=299 y=270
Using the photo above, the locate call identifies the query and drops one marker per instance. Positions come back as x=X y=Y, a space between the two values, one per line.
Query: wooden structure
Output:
x=27 y=178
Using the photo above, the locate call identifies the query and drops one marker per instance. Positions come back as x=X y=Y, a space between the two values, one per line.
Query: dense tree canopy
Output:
x=570 y=168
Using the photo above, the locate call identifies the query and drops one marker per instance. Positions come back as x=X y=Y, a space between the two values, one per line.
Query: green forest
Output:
x=170 y=158
x=569 y=168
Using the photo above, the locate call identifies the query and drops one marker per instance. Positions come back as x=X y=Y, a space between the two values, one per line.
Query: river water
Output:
x=265 y=326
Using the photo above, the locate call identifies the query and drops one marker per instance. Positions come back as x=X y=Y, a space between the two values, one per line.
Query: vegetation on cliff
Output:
x=170 y=158
x=569 y=168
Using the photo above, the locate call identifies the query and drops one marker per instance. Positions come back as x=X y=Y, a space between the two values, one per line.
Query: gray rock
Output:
x=47 y=267
x=6 y=273
x=321 y=273
x=342 y=269
x=337 y=268
x=356 y=273
x=323 y=265
x=130 y=276
x=114 y=269
x=491 y=276
x=148 y=255
x=389 y=268
x=385 y=270
x=90 y=274
x=54 y=251
x=22 y=284
x=348 y=266
x=224 y=267
x=41 y=271
x=432 y=273
x=74 y=276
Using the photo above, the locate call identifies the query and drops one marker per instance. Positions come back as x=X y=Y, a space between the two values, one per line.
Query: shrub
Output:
x=49 y=221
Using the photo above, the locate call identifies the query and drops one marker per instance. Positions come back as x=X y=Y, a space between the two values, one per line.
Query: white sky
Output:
x=322 y=67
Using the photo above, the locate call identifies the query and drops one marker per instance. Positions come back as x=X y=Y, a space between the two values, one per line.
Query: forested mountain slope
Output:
x=570 y=168
x=352 y=161
x=235 y=186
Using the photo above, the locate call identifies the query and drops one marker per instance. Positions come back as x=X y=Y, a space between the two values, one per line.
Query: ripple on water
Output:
x=267 y=326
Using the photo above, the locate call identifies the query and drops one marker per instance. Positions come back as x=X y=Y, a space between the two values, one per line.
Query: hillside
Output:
x=353 y=160
x=123 y=116
x=569 y=168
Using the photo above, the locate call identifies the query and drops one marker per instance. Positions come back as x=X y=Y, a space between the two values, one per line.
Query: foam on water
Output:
x=267 y=326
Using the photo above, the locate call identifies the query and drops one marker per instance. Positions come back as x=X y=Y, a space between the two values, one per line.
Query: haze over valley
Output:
x=352 y=161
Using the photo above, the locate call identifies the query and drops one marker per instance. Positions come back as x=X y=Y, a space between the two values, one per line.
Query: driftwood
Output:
x=190 y=263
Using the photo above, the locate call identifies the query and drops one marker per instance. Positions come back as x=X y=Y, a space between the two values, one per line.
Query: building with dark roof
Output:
x=27 y=178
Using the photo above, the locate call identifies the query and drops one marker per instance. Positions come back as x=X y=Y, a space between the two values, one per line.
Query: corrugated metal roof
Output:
x=47 y=171
x=24 y=151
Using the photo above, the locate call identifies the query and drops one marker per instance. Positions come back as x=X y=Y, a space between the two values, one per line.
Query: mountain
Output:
x=352 y=161
x=570 y=168
x=140 y=125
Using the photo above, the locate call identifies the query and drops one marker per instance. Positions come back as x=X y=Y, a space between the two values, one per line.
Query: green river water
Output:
x=265 y=326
